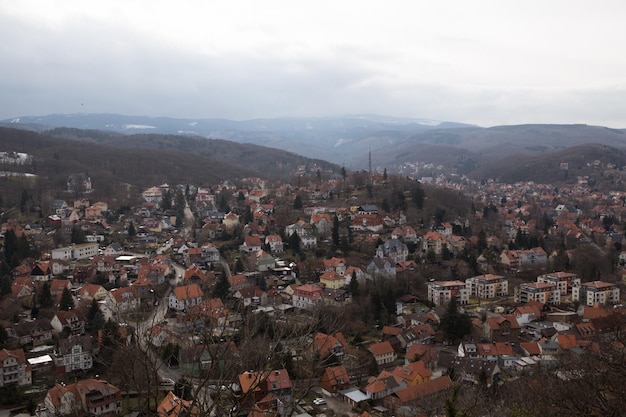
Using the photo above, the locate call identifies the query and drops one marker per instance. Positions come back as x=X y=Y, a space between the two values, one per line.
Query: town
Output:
x=362 y=293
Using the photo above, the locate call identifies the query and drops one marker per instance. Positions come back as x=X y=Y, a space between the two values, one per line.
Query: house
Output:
x=413 y=373
x=251 y=296
x=393 y=249
x=23 y=288
x=251 y=244
x=476 y=371
x=79 y=183
x=58 y=285
x=441 y=292
x=155 y=273
x=264 y=261
x=383 y=385
x=406 y=233
x=382 y=267
x=335 y=379
x=230 y=221
x=124 y=299
x=565 y=281
x=75 y=252
x=92 y=396
x=257 y=385
x=238 y=282
x=367 y=222
x=425 y=353
x=14 y=369
x=192 y=256
x=61 y=400
x=541 y=292
x=182 y=297
x=300 y=228
x=501 y=328
x=71 y=320
x=36 y=332
x=93 y=291
x=327 y=344
x=114 y=249
x=308 y=241
x=335 y=264
x=172 y=406
x=596 y=292
x=307 y=296
x=433 y=241
x=332 y=280
x=41 y=272
x=210 y=253
x=322 y=222
x=383 y=352
x=488 y=286
x=202 y=360
x=74 y=354
x=413 y=394
x=275 y=243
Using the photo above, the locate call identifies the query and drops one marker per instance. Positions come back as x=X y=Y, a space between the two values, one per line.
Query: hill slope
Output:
x=145 y=160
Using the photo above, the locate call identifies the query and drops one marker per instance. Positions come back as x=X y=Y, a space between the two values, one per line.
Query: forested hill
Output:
x=145 y=160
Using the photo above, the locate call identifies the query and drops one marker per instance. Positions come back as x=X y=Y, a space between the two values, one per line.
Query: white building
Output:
x=591 y=293
x=542 y=292
x=488 y=286
x=75 y=252
x=442 y=292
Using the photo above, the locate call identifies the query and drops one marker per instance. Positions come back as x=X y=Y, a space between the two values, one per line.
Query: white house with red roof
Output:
x=596 y=292
x=307 y=296
x=14 y=369
x=185 y=296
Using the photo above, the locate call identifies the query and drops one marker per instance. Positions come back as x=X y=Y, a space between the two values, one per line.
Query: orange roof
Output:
x=567 y=341
x=188 y=291
x=381 y=348
x=423 y=390
x=411 y=371
x=172 y=406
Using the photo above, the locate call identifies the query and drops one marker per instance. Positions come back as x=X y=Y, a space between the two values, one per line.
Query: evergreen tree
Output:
x=353 y=286
x=294 y=243
x=222 y=288
x=335 y=231
x=10 y=248
x=45 y=297
x=78 y=235
x=67 y=302
x=297 y=202
x=166 y=200
x=418 y=196
x=239 y=266
x=131 y=230
x=93 y=311
x=454 y=324
x=5 y=285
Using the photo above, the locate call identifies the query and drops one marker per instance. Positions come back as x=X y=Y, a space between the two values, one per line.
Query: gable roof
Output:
x=187 y=292
x=425 y=389
x=381 y=348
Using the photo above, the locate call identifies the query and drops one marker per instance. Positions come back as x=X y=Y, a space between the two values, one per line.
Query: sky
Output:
x=482 y=62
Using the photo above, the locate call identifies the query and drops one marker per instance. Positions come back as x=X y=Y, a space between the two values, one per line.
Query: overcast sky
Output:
x=482 y=62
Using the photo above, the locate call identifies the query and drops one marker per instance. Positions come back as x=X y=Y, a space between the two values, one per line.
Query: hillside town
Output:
x=347 y=294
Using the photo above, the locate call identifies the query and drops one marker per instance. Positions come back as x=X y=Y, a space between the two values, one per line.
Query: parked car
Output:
x=319 y=401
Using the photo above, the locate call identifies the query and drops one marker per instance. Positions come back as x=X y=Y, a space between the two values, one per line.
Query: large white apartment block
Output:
x=564 y=280
x=488 y=286
x=542 y=292
x=591 y=293
x=441 y=292
x=75 y=252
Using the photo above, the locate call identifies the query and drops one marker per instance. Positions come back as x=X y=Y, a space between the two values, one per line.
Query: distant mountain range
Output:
x=354 y=141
